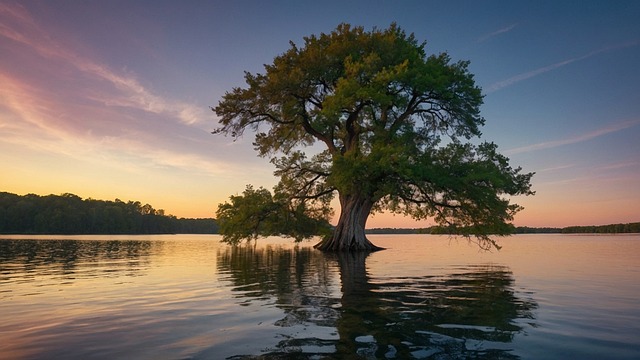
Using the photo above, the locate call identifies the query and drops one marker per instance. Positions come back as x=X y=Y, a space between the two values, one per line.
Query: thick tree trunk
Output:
x=349 y=233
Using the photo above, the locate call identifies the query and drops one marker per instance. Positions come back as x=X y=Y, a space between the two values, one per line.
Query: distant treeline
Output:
x=599 y=229
x=604 y=229
x=592 y=229
x=70 y=214
x=394 y=231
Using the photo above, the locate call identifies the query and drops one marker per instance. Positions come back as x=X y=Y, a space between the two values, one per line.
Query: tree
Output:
x=394 y=125
x=257 y=213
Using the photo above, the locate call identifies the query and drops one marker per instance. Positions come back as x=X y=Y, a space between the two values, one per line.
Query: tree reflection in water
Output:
x=466 y=312
x=76 y=258
x=301 y=282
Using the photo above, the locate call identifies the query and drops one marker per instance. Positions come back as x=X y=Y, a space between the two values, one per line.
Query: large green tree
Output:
x=390 y=127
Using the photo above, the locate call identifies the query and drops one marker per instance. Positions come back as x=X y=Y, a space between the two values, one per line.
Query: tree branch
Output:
x=316 y=196
x=413 y=103
x=306 y=124
x=353 y=134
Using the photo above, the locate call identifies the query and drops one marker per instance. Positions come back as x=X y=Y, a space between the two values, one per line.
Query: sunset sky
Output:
x=110 y=99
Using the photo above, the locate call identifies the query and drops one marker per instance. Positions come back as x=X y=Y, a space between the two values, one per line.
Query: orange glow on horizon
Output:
x=87 y=110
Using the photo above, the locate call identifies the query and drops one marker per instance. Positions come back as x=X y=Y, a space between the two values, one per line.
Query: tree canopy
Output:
x=394 y=127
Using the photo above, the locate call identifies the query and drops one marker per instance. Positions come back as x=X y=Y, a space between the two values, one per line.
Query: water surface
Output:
x=426 y=297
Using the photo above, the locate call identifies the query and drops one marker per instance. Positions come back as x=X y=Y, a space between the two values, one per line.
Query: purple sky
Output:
x=110 y=99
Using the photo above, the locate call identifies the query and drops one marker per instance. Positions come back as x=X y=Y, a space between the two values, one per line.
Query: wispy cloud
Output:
x=621 y=165
x=496 y=33
x=555 y=168
x=576 y=139
x=17 y=25
x=527 y=75
x=80 y=109
x=30 y=119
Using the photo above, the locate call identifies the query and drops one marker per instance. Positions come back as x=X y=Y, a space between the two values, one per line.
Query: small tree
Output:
x=257 y=213
x=394 y=125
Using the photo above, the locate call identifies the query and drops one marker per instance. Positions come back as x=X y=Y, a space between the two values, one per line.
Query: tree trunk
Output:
x=349 y=233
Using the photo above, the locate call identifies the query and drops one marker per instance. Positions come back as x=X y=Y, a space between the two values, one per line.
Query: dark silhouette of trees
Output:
x=394 y=124
x=591 y=229
x=537 y=230
x=197 y=226
x=603 y=229
x=70 y=214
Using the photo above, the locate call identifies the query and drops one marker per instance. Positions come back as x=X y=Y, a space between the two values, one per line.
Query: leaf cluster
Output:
x=258 y=213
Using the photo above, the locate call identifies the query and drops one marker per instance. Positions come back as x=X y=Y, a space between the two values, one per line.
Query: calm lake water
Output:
x=425 y=297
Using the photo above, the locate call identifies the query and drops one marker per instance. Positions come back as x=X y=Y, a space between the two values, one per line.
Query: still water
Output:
x=425 y=297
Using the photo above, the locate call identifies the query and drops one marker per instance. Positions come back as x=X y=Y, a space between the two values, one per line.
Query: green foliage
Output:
x=257 y=213
x=70 y=214
x=380 y=107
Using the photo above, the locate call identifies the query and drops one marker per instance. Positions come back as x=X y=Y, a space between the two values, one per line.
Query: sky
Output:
x=111 y=99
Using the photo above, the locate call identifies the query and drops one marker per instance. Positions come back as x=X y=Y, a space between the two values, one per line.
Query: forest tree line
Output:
x=603 y=229
x=594 y=229
x=70 y=214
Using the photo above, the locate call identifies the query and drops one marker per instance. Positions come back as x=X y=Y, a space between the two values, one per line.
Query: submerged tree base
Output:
x=349 y=233
x=332 y=244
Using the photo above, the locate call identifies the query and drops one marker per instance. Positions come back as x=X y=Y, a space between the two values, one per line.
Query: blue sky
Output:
x=110 y=99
